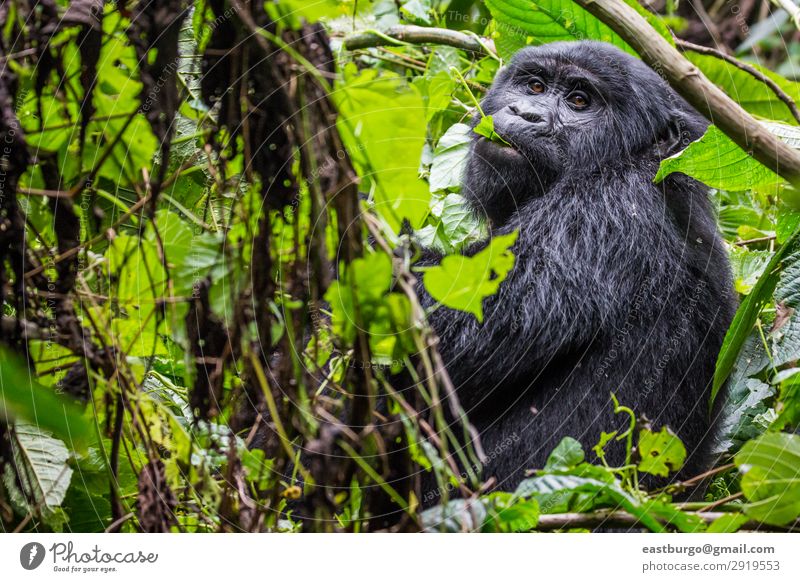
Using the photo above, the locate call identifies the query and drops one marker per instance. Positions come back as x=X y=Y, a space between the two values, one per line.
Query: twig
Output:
x=116 y=524
x=722 y=501
x=409 y=34
x=751 y=70
x=689 y=81
x=752 y=241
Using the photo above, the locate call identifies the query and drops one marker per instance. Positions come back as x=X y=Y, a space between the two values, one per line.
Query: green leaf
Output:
x=661 y=452
x=747 y=266
x=509 y=514
x=41 y=468
x=485 y=128
x=23 y=398
x=770 y=466
x=493 y=513
x=549 y=488
x=671 y=515
x=523 y=22
x=748 y=312
x=356 y=297
x=788 y=405
x=462 y=282
x=382 y=122
x=728 y=523
x=311 y=11
x=417 y=11
x=567 y=454
x=717 y=161
x=459 y=515
x=753 y=95
x=605 y=438
x=788 y=221
x=450 y=158
x=459 y=224
x=436 y=91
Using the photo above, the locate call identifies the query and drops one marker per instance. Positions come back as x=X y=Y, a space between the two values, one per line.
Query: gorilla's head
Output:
x=569 y=107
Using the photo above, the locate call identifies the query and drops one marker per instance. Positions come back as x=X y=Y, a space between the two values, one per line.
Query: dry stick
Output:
x=751 y=70
x=689 y=81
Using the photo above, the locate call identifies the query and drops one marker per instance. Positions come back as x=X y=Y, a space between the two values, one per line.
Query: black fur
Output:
x=620 y=285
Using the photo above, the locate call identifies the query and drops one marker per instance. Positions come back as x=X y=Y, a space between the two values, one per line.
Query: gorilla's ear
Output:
x=683 y=128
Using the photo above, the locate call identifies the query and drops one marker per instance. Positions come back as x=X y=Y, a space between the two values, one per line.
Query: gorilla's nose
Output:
x=529 y=114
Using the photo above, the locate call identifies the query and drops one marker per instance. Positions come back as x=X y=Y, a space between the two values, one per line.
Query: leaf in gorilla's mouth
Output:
x=485 y=128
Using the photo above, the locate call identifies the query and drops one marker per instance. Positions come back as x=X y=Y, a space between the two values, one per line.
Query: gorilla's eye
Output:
x=578 y=100
x=536 y=86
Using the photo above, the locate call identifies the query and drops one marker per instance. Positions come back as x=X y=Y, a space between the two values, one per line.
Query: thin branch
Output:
x=694 y=86
x=752 y=241
x=749 y=69
x=416 y=35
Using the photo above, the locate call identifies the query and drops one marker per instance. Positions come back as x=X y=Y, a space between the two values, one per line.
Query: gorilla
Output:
x=620 y=284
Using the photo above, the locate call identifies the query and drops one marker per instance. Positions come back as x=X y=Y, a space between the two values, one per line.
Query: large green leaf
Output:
x=463 y=282
x=459 y=515
x=753 y=95
x=450 y=158
x=748 y=312
x=22 y=398
x=547 y=487
x=383 y=124
x=717 y=161
x=494 y=513
x=567 y=454
x=771 y=477
x=293 y=12
x=523 y=22
x=40 y=463
x=358 y=294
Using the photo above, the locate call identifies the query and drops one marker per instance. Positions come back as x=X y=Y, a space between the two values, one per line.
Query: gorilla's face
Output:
x=567 y=107
x=540 y=108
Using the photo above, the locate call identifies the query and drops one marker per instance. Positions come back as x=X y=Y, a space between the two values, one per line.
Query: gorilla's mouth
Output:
x=498 y=146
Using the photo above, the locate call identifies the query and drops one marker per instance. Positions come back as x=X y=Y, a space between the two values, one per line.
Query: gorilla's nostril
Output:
x=525 y=113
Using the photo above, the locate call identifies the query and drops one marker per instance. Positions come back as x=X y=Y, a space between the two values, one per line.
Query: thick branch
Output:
x=397 y=35
x=690 y=82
